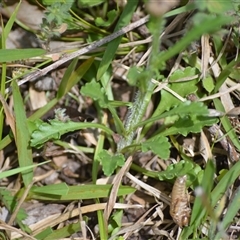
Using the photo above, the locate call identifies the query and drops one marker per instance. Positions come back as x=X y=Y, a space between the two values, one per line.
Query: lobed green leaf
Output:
x=96 y=92
x=54 y=129
x=110 y=162
x=179 y=169
x=159 y=145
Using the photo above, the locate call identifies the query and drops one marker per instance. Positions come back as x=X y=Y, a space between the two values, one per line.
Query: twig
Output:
x=91 y=47
x=113 y=195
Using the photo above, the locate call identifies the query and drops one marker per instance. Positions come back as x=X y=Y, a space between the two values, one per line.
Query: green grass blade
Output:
x=227 y=180
x=79 y=73
x=22 y=136
x=45 y=233
x=3 y=78
x=99 y=148
x=232 y=210
x=5 y=141
x=18 y=170
x=3 y=86
x=56 y=189
x=113 y=46
x=10 y=55
x=63 y=85
x=225 y=73
x=43 y=110
x=64 y=232
x=72 y=77
x=208 y=24
x=186 y=8
x=199 y=210
x=95 y=172
x=227 y=124
x=80 y=192
x=9 y=24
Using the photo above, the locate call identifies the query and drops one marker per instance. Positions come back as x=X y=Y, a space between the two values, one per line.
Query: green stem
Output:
x=144 y=94
x=135 y=115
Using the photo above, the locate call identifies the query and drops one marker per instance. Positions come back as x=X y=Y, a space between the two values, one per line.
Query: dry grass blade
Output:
x=224 y=94
x=227 y=146
x=113 y=195
x=140 y=223
x=151 y=190
x=217 y=95
x=4 y=226
x=58 y=218
x=9 y=116
x=206 y=50
x=205 y=149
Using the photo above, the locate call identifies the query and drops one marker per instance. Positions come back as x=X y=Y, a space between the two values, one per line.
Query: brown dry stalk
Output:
x=39 y=73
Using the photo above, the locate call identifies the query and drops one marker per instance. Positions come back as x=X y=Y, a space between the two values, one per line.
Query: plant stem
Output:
x=135 y=115
x=144 y=94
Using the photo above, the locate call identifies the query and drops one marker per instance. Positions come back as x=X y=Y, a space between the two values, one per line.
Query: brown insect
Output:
x=179 y=207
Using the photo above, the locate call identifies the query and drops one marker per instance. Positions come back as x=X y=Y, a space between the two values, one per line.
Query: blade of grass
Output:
x=71 y=77
x=22 y=135
x=198 y=211
x=3 y=77
x=108 y=91
x=227 y=180
x=10 y=55
x=113 y=45
x=63 y=232
x=79 y=73
x=202 y=203
x=59 y=189
x=90 y=191
x=95 y=169
x=98 y=149
x=5 y=141
x=18 y=170
x=63 y=85
x=225 y=73
x=9 y=116
x=41 y=111
x=232 y=210
x=227 y=124
x=208 y=24
x=5 y=31
x=45 y=233
x=11 y=20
